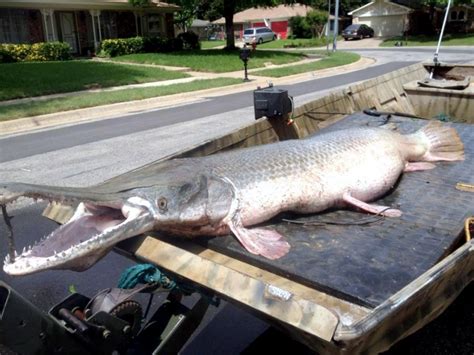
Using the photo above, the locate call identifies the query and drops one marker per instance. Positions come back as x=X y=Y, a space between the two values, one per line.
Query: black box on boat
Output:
x=271 y=102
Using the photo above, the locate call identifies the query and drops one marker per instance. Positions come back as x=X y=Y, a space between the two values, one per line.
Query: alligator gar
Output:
x=232 y=191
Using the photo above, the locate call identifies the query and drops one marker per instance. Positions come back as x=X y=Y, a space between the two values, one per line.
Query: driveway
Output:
x=360 y=43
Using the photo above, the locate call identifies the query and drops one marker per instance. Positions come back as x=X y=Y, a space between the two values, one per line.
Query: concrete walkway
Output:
x=122 y=108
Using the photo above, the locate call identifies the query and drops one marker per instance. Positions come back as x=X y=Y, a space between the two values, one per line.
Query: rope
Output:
x=148 y=274
x=144 y=274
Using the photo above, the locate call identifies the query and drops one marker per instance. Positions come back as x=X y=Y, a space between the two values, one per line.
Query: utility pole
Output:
x=336 y=26
x=328 y=28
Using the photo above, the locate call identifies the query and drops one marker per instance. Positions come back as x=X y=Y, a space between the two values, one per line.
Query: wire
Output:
x=360 y=222
x=148 y=306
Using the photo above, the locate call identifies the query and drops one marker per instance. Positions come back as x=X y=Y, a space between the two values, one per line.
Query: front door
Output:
x=68 y=29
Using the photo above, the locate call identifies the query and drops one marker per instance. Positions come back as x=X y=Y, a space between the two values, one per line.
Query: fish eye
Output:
x=162 y=204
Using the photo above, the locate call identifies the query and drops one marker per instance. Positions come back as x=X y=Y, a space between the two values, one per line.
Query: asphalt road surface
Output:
x=92 y=152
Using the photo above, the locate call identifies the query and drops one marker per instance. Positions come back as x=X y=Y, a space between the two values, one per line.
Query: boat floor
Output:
x=368 y=263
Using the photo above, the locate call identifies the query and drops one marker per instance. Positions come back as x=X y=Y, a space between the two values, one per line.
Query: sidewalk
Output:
x=113 y=110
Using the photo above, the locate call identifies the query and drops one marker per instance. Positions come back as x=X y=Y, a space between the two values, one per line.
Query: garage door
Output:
x=281 y=28
x=385 y=26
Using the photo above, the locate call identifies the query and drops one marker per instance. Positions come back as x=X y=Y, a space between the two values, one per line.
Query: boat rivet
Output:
x=106 y=334
x=126 y=329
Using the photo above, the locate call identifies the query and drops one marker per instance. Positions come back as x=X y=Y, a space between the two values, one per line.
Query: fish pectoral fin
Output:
x=375 y=209
x=266 y=242
x=418 y=166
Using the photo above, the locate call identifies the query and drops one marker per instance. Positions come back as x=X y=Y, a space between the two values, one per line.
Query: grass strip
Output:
x=34 y=108
x=294 y=43
x=28 y=79
x=212 y=60
x=333 y=60
x=212 y=44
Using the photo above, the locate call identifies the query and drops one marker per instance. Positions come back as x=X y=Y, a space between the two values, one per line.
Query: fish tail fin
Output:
x=441 y=142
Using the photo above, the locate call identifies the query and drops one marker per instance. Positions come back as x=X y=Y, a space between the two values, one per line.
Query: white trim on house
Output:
x=405 y=8
x=360 y=8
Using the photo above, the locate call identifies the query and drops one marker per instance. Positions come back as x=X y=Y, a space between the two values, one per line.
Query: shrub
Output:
x=300 y=27
x=14 y=52
x=121 y=46
x=175 y=44
x=190 y=40
x=309 y=26
x=154 y=44
x=46 y=51
x=43 y=51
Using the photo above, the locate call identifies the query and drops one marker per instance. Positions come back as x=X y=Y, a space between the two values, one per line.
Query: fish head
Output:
x=101 y=220
x=188 y=204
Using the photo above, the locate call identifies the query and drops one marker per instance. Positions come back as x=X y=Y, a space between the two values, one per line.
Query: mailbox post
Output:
x=244 y=56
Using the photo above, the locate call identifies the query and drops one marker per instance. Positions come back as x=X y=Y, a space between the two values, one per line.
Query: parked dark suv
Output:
x=357 y=31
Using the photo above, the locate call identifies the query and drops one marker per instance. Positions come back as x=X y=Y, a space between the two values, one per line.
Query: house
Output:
x=461 y=19
x=426 y=19
x=201 y=28
x=343 y=22
x=82 y=23
x=387 y=18
x=274 y=17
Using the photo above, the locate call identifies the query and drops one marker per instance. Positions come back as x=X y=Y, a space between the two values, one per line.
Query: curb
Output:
x=104 y=112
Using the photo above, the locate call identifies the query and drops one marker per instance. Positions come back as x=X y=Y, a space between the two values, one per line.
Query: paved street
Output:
x=92 y=152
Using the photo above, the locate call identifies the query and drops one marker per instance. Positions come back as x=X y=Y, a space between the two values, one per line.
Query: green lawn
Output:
x=448 y=40
x=34 y=108
x=212 y=60
x=331 y=60
x=19 y=80
x=211 y=44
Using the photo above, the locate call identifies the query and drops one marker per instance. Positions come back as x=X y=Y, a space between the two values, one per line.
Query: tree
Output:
x=187 y=14
x=227 y=9
x=316 y=20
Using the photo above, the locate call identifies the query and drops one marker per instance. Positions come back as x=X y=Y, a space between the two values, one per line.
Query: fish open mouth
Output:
x=91 y=232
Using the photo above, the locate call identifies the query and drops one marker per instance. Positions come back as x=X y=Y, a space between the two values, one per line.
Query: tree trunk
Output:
x=229 y=8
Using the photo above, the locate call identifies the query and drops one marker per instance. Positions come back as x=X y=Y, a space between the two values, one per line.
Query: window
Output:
x=108 y=20
x=155 y=24
x=457 y=15
x=13 y=26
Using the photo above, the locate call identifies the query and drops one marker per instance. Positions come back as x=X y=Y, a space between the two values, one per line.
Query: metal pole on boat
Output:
x=435 y=59
x=336 y=26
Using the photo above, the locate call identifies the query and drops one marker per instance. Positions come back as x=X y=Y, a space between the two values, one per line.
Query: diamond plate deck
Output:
x=366 y=264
